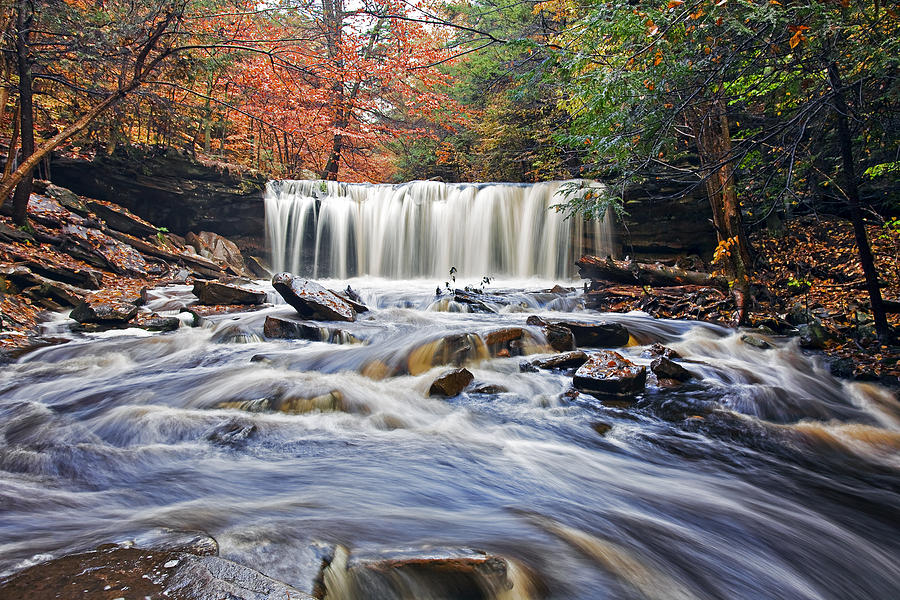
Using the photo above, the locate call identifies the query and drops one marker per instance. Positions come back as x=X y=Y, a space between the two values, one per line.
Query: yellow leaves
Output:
x=706 y=50
x=698 y=14
x=775 y=2
x=652 y=29
x=658 y=58
x=675 y=3
x=649 y=85
x=798 y=35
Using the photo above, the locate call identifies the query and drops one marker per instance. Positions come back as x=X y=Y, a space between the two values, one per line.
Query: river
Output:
x=764 y=478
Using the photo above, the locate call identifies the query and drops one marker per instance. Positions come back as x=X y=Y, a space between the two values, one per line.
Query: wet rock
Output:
x=559 y=337
x=113 y=572
x=488 y=389
x=658 y=349
x=558 y=289
x=457 y=574
x=600 y=427
x=504 y=342
x=41 y=287
x=664 y=368
x=67 y=199
x=608 y=374
x=841 y=367
x=476 y=301
x=99 y=249
x=333 y=401
x=755 y=341
x=813 y=336
x=596 y=335
x=312 y=300
x=290 y=329
x=566 y=360
x=352 y=298
x=104 y=311
x=219 y=249
x=451 y=383
x=258 y=267
x=156 y=322
x=163 y=539
x=214 y=292
x=453 y=349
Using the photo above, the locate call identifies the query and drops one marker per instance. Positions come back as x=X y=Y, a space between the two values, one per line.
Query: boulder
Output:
x=127 y=572
x=451 y=383
x=215 y=292
x=291 y=329
x=217 y=248
x=596 y=335
x=312 y=300
x=755 y=341
x=258 y=268
x=658 y=349
x=431 y=573
x=155 y=322
x=104 y=311
x=566 y=360
x=608 y=374
x=664 y=368
x=813 y=336
x=504 y=342
x=559 y=337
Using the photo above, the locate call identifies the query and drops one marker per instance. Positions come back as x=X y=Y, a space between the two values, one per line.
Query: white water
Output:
x=423 y=228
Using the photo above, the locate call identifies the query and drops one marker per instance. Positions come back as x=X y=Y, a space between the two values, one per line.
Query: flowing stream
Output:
x=423 y=228
x=764 y=478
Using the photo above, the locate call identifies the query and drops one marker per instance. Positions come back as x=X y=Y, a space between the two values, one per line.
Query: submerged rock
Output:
x=559 y=337
x=104 y=311
x=215 y=292
x=291 y=329
x=452 y=573
x=596 y=335
x=658 y=349
x=566 y=360
x=451 y=383
x=608 y=374
x=312 y=300
x=664 y=368
x=755 y=341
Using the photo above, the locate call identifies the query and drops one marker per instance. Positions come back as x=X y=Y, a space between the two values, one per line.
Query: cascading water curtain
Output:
x=423 y=228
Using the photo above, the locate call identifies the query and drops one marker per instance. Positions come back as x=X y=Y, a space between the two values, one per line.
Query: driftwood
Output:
x=634 y=273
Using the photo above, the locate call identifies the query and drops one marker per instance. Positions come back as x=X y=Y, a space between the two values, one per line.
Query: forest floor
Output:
x=808 y=279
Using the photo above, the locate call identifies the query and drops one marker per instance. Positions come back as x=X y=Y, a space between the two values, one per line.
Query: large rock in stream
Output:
x=435 y=573
x=215 y=292
x=312 y=300
x=104 y=311
x=608 y=374
x=113 y=572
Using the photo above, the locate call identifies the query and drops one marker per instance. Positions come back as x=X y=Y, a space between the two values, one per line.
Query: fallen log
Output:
x=619 y=271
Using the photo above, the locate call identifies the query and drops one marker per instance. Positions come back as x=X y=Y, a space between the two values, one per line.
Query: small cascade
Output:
x=423 y=228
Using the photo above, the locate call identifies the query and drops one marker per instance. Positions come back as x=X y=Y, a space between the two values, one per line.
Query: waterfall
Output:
x=423 y=228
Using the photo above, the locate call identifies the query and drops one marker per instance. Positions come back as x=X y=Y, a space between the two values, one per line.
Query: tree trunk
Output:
x=24 y=20
x=851 y=191
x=13 y=148
x=714 y=147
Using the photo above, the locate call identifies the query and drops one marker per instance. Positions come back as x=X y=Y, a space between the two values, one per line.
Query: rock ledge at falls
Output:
x=312 y=300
